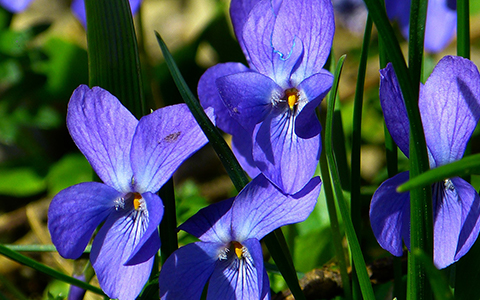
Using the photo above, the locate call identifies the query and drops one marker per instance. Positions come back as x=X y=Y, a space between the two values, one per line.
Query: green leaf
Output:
x=466 y=166
x=113 y=52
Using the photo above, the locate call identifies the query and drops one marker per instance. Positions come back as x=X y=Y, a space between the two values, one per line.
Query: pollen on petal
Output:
x=238 y=248
x=292 y=97
x=136 y=200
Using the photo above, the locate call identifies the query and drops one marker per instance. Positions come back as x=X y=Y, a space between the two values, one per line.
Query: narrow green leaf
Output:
x=361 y=268
x=113 y=52
x=466 y=166
x=39 y=248
x=463 y=28
x=47 y=270
x=168 y=226
x=277 y=249
x=437 y=281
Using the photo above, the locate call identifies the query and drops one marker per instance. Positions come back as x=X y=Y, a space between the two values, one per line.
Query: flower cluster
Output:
x=449 y=105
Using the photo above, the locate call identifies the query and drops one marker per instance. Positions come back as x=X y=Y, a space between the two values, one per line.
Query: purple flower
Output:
x=449 y=106
x=269 y=108
x=15 y=6
x=229 y=254
x=134 y=159
x=78 y=9
x=440 y=24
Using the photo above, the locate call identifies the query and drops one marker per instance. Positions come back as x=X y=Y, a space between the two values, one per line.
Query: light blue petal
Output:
x=76 y=212
x=252 y=218
x=163 y=140
x=285 y=158
x=450 y=108
x=440 y=26
x=114 y=244
x=238 y=278
x=15 y=6
x=102 y=128
x=456 y=211
x=186 y=271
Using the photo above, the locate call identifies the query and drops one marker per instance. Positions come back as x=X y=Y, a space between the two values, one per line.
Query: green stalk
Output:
x=47 y=270
x=355 y=196
x=335 y=226
x=463 y=28
x=168 y=226
x=361 y=269
x=421 y=219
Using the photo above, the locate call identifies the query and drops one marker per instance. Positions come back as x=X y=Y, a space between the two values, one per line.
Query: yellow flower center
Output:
x=292 y=97
x=238 y=249
x=136 y=200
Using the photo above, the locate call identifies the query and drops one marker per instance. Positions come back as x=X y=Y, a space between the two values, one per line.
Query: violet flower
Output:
x=134 y=159
x=15 y=6
x=440 y=24
x=269 y=108
x=449 y=106
x=78 y=9
x=229 y=254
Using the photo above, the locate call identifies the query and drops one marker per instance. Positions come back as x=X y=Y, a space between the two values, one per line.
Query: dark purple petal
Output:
x=102 y=128
x=400 y=11
x=286 y=159
x=456 y=211
x=393 y=107
x=312 y=23
x=255 y=250
x=390 y=214
x=209 y=96
x=232 y=279
x=78 y=9
x=212 y=223
x=163 y=140
x=15 y=6
x=440 y=25
x=450 y=108
x=150 y=240
x=242 y=148
x=76 y=212
x=114 y=245
x=248 y=96
x=186 y=271
x=251 y=218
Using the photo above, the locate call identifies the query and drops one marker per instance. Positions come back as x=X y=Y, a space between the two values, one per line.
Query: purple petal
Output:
x=255 y=250
x=163 y=140
x=248 y=96
x=212 y=223
x=313 y=90
x=400 y=11
x=450 y=108
x=257 y=38
x=242 y=148
x=102 y=128
x=78 y=9
x=115 y=244
x=232 y=279
x=251 y=218
x=393 y=107
x=209 y=96
x=285 y=158
x=456 y=211
x=390 y=214
x=150 y=240
x=313 y=24
x=440 y=25
x=15 y=6
x=186 y=271
x=76 y=212
x=75 y=292
x=239 y=11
